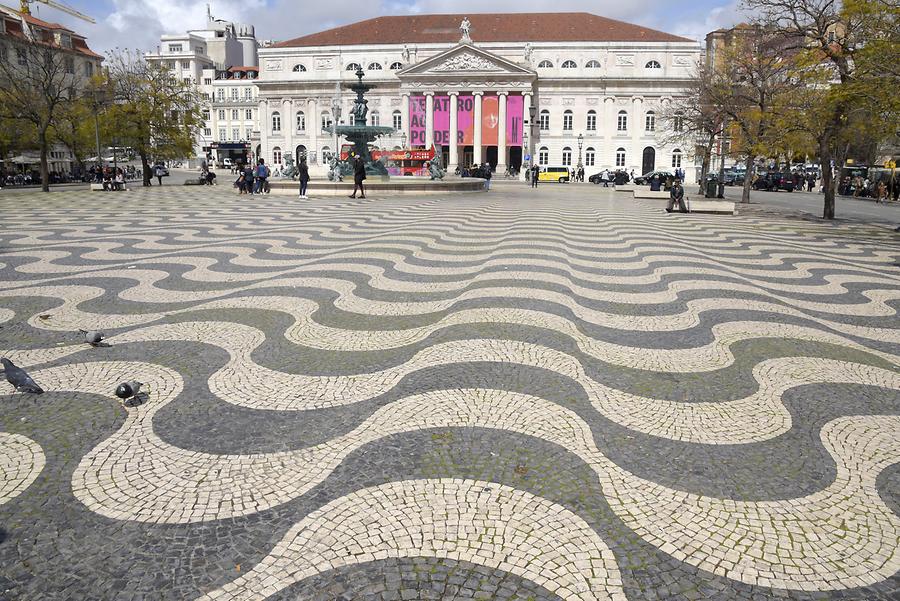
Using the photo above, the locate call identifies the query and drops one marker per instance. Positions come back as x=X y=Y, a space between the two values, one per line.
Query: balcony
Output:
x=239 y=102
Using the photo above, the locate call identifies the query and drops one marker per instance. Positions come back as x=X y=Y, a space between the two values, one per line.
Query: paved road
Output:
x=812 y=203
x=559 y=394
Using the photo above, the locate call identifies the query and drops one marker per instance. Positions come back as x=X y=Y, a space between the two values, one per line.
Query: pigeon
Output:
x=126 y=390
x=19 y=378
x=92 y=337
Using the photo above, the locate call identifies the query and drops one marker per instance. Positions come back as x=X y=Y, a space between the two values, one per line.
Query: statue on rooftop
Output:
x=466 y=29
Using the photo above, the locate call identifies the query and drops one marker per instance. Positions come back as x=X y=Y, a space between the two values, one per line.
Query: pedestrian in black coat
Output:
x=303 y=176
x=359 y=175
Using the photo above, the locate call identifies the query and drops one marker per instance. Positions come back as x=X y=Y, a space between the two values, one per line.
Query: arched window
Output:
x=676 y=158
x=397 y=118
x=326 y=120
x=276 y=122
x=589 y=155
x=592 y=64
x=301 y=121
x=650 y=121
x=543 y=155
x=591 y=120
x=545 y=120
x=678 y=121
x=375 y=67
x=653 y=65
x=375 y=118
x=567 y=120
x=354 y=67
x=298 y=69
x=545 y=64
x=567 y=157
x=276 y=155
x=620 y=157
x=569 y=65
x=396 y=66
x=622 y=122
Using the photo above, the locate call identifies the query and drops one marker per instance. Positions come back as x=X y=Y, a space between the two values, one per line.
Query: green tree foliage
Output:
x=152 y=111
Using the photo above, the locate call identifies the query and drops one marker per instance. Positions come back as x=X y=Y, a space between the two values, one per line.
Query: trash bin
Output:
x=712 y=187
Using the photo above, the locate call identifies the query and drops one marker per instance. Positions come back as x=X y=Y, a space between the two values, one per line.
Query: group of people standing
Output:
x=253 y=180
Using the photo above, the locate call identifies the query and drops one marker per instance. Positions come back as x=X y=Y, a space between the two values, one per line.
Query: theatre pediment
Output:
x=466 y=60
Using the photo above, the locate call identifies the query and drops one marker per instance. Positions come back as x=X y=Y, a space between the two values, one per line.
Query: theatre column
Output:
x=476 y=150
x=314 y=126
x=404 y=118
x=429 y=119
x=501 y=133
x=454 y=126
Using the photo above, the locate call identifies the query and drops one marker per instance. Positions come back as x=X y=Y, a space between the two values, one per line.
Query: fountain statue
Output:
x=360 y=134
x=290 y=170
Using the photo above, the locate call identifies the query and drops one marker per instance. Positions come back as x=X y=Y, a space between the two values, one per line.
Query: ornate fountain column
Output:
x=476 y=154
x=454 y=126
x=429 y=119
x=501 y=133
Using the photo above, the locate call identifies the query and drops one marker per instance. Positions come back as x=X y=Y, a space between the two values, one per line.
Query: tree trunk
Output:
x=827 y=177
x=45 y=168
x=750 y=166
x=145 y=165
x=707 y=156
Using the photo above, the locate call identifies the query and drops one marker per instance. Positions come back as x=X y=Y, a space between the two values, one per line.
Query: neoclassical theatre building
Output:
x=497 y=88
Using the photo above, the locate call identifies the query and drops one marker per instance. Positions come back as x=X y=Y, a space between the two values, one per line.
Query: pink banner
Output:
x=465 y=120
x=416 y=121
x=441 y=120
x=515 y=109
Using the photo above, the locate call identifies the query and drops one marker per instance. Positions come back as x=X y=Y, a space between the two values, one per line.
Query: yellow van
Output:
x=554 y=174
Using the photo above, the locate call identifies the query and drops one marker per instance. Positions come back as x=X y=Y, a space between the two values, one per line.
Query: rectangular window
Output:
x=220 y=95
x=205 y=96
x=543 y=156
x=567 y=158
x=207 y=131
x=622 y=123
x=676 y=160
x=592 y=122
x=398 y=121
x=248 y=114
x=222 y=134
x=620 y=158
x=589 y=158
x=89 y=69
x=221 y=114
x=650 y=123
x=235 y=134
x=186 y=79
x=545 y=121
x=248 y=94
x=234 y=114
x=234 y=93
x=185 y=65
x=567 y=121
x=70 y=65
x=175 y=48
x=206 y=114
x=207 y=81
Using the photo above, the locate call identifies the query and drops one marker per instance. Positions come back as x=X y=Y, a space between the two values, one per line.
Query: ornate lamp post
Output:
x=336 y=118
x=580 y=144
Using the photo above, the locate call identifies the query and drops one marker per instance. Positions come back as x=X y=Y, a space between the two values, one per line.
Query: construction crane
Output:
x=26 y=9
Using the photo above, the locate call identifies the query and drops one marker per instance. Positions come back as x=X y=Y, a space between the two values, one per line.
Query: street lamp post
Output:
x=580 y=145
x=403 y=141
x=336 y=114
x=529 y=145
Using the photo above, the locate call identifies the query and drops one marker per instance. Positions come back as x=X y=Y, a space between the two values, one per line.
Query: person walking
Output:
x=535 y=174
x=359 y=176
x=303 y=176
x=676 y=196
x=486 y=169
x=159 y=173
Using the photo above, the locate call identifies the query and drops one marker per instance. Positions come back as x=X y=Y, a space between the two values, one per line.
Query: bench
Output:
x=710 y=206
x=625 y=188
x=99 y=188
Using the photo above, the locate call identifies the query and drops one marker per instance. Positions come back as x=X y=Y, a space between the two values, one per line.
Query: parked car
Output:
x=645 y=179
x=597 y=178
x=774 y=181
x=735 y=177
x=165 y=170
x=554 y=174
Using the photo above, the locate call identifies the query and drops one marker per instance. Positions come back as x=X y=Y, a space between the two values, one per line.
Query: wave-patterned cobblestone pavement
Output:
x=558 y=396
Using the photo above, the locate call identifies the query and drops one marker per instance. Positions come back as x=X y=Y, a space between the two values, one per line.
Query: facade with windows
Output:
x=513 y=94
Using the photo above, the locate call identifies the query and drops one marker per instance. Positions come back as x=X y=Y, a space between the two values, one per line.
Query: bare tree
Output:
x=749 y=85
x=37 y=82
x=695 y=122
x=845 y=51
x=155 y=113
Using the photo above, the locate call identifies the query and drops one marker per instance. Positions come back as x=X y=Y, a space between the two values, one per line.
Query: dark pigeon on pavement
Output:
x=126 y=390
x=93 y=337
x=19 y=378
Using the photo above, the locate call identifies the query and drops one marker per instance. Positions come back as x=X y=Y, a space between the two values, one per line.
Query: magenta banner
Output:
x=416 y=121
x=515 y=109
x=441 y=120
x=465 y=119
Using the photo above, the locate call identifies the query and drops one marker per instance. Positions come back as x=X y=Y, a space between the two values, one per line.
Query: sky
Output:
x=138 y=24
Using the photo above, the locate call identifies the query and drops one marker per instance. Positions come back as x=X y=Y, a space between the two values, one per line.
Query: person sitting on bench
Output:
x=676 y=195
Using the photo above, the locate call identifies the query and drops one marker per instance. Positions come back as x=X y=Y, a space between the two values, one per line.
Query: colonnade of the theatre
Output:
x=478 y=139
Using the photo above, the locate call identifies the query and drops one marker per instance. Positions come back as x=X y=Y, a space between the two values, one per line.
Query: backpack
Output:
x=263 y=171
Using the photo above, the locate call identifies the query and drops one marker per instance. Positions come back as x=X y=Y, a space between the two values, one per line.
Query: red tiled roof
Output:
x=79 y=44
x=513 y=27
